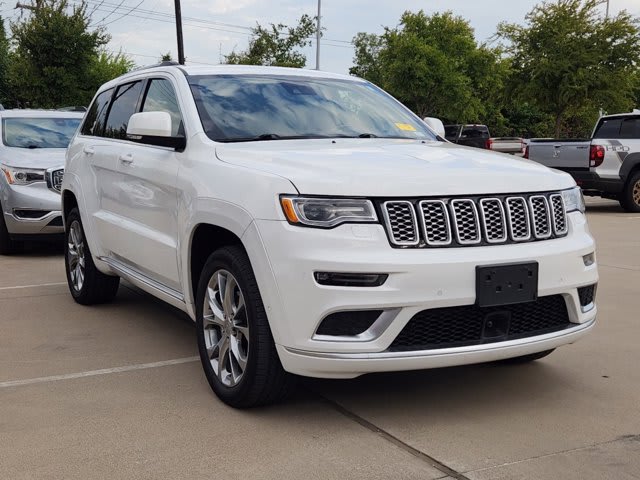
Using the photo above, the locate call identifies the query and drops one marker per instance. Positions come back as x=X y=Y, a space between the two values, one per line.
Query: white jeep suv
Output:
x=310 y=224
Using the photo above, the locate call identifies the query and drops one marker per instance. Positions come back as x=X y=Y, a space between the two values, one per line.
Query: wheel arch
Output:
x=69 y=202
x=630 y=165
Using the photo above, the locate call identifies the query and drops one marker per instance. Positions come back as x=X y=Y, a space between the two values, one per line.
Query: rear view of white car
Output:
x=32 y=163
x=312 y=225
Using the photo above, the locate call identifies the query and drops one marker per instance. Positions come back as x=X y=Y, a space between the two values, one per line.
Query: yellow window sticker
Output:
x=406 y=127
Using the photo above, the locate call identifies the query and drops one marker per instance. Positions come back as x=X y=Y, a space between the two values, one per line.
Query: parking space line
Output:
x=93 y=373
x=34 y=286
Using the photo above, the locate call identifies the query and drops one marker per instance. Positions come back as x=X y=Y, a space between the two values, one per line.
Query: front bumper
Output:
x=31 y=209
x=285 y=258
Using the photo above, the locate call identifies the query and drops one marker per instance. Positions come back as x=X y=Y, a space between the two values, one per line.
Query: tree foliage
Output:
x=4 y=63
x=57 y=58
x=569 y=61
x=434 y=65
x=276 y=45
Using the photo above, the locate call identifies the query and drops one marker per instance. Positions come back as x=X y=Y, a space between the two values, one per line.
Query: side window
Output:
x=123 y=105
x=475 y=132
x=94 y=120
x=608 y=128
x=630 y=128
x=161 y=97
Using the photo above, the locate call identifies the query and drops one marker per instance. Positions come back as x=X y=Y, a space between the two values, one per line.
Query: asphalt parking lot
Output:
x=116 y=392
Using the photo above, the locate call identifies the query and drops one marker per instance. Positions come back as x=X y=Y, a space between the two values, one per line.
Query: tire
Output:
x=630 y=197
x=249 y=374
x=526 y=358
x=87 y=284
x=7 y=246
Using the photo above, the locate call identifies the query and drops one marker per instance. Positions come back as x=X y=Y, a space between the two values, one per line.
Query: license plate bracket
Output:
x=506 y=284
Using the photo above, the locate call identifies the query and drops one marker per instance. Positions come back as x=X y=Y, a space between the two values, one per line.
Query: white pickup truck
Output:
x=607 y=165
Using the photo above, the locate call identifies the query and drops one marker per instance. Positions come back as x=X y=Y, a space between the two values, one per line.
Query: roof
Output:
x=232 y=70
x=28 y=113
x=635 y=113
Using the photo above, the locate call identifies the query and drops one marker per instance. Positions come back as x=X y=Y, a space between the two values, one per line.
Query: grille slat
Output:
x=466 y=325
x=400 y=217
x=461 y=222
x=436 y=224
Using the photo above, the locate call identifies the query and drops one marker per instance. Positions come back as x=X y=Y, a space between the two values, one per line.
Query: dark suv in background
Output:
x=469 y=135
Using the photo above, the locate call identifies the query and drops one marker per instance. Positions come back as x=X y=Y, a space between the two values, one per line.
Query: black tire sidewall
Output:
x=629 y=203
x=228 y=259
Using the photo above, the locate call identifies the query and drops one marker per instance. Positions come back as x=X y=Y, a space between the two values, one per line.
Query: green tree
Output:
x=276 y=45
x=569 y=61
x=367 y=57
x=4 y=63
x=434 y=65
x=57 y=58
x=166 y=57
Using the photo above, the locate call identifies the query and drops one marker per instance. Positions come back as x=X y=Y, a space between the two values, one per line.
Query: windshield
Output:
x=236 y=108
x=38 y=132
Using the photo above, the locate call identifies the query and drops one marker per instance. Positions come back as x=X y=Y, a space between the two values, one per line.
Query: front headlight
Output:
x=573 y=200
x=327 y=212
x=22 y=176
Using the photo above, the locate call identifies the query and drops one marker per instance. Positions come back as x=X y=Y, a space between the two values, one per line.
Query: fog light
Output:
x=337 y=279
x=589 y=259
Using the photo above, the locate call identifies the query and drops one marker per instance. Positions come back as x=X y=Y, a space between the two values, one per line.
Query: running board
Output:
x=129 y=272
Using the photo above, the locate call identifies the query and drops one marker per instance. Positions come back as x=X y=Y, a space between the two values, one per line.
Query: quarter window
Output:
x=161 y=97
x=630 y=128
x=123 y=105
x=94 y=120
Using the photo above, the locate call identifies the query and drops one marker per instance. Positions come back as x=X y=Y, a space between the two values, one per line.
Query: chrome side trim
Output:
x=127 y=271
x=378 y=327
x=549 y=337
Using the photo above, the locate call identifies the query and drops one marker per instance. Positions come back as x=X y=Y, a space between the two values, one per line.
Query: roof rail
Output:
x=166 y=63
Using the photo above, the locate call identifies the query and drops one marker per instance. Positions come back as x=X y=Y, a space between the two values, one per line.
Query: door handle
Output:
x=126 y=159
x=89 y=150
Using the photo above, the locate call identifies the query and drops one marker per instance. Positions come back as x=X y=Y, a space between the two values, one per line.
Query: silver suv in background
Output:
x=32 y=163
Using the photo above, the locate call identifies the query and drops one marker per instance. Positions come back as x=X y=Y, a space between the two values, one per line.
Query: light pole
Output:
x=318 y=35
x=179 y=33
x=607 y=14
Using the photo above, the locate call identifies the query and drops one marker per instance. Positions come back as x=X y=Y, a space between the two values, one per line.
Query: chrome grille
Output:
x=435 y=222
x=54 y=179
x=560 y=226
x=401 y=222
x=541 y=217
x=474 y=221
x=518 y=217
x=493 y=220
x=466 y=222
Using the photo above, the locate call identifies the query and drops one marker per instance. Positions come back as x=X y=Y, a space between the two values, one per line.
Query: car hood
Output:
x=37 y=158
x=385 y=168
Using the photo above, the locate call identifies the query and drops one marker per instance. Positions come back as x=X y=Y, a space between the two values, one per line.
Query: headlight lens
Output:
x=327 y=212
x=573 y=200
x=22 y=176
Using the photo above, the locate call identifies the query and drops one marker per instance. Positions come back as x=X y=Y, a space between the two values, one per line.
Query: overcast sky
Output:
x=145 y=30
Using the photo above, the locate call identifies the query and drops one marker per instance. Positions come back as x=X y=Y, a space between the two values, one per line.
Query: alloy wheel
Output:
x=226 y=328
x=636 y=193
x=76 y=255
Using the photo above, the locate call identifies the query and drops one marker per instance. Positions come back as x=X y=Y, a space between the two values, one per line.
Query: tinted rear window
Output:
x=451 y=131
x=475 y=131
x=94 y=121
x=630 y=128
x=608 y=128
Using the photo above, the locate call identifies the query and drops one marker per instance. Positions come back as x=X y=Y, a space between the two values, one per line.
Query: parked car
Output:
x=606 y=165
x=310 y=224
x=468 y=135
x=512 y=145
x=32 y=163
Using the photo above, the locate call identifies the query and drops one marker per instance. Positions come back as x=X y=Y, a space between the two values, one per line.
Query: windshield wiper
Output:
x=367 y=135
x=31 y=147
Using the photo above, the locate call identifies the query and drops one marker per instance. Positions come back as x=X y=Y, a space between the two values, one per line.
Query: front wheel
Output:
x=236 y=347
x=630 y=197
x=87 y=284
